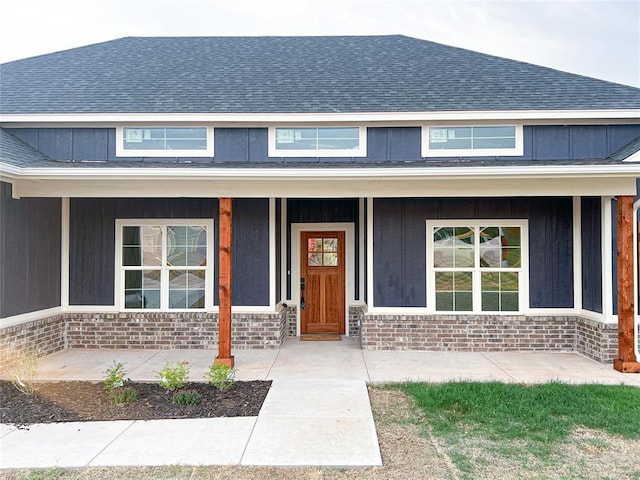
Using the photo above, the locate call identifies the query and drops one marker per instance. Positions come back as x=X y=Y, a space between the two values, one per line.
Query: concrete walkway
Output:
x=317 y=411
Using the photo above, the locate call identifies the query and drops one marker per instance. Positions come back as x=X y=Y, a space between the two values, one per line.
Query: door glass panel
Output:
x=314 y=245
x=330 y=245
x=330 y=259
x=314 y=259
x=322 y=252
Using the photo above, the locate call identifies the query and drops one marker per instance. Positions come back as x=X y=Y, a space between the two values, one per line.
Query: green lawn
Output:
x=519 y=423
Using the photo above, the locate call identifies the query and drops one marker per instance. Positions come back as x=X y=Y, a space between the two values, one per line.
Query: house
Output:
x=193 y=192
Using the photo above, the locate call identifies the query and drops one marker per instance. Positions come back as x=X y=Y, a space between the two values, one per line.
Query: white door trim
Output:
x=349 y=284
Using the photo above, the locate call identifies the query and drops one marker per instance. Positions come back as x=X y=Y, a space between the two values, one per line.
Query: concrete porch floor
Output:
x=345 y=360
x=316 y=413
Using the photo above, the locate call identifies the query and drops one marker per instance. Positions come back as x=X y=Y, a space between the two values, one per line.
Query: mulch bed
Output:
x=87 y=401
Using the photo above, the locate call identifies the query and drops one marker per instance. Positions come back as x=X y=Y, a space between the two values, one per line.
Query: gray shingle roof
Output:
x=292 y=74
x=14 y=151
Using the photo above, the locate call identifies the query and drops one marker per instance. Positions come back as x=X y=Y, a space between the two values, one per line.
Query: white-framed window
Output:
x=477 y=266
x=317 y=141
x=158 y=141
x=164 y=264
x=472 y=140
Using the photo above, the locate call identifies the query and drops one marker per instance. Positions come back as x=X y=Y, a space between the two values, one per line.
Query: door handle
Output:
x=302 y=287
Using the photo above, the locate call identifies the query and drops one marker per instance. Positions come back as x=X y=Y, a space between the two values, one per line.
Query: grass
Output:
x=525 y=423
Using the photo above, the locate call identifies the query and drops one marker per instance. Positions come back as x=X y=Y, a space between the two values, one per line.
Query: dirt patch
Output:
x=87 y=401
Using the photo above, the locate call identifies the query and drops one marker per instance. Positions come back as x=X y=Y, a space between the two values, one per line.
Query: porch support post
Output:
x=224 y=277
x=626 y=361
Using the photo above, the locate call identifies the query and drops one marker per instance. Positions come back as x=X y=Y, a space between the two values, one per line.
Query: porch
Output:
x=342 y=360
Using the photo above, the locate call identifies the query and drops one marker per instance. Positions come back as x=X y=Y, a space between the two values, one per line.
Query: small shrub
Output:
x=173 y=376
x=121 y=395
x=220 y=376
x=186 y=397
x=25 y=372
x=114 y=385
x=115 y=376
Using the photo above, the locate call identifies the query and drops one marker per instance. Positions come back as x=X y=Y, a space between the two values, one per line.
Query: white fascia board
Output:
x=297 y=118
x=528 y=171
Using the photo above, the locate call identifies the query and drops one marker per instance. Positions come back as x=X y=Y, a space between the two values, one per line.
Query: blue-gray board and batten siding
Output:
x=30 y=230
x=92 y=244
x=384 y=144
x=399 y=245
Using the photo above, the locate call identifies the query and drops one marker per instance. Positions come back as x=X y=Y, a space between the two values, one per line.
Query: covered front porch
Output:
x=341 y=360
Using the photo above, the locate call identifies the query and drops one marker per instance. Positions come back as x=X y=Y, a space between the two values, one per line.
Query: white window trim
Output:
x=359 y=152
x=121 y=152
x=518 y=150
x=119 y=270
x=523 y=278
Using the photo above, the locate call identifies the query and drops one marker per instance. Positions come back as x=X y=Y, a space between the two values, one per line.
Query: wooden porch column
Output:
x=626 y=361
x=224 y=278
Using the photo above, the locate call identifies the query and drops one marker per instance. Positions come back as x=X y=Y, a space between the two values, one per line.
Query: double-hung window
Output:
x=472 y=140
x=317 y=142
x=164 y=141
x=164 y=264
x=477 y=266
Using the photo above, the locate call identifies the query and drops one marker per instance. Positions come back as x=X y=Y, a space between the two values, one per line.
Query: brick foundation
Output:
x=478 y=333
x=468 y=333
x=356 y=314
x=171 y=330
x=597 y=340
x=42 y=337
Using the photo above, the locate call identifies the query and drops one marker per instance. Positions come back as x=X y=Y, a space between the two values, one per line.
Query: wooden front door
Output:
x=322 y=277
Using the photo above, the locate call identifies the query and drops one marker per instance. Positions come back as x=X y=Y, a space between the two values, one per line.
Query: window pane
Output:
x=509 y=302
x=500 y=247
x=195 y=299
x=330 y=245
x=491 y=282
x=470 y=138
x=314 y=259
x=499 y=291
x=160 y=138
x=463 y=301
x=330 y=259
x=494 y=143
x=331 y=138
x=186 y=246
x=142 y=288
x=494 y=132
x=444 y=301
x=444 y=281
x=314 y=245
x=186 y=287
x=490 y=301
x=151 y=245
x=453 y=247
x=454 y=291
x=186 y=144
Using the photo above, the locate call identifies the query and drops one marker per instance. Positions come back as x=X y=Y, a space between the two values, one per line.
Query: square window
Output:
x=164 y=265
x=476 y=266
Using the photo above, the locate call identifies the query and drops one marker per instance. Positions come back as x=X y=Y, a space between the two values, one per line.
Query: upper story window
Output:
x=317 y=142
x=472 y=140
x=164 y=142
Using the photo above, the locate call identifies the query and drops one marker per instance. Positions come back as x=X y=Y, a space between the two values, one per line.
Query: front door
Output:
x=322 y=277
